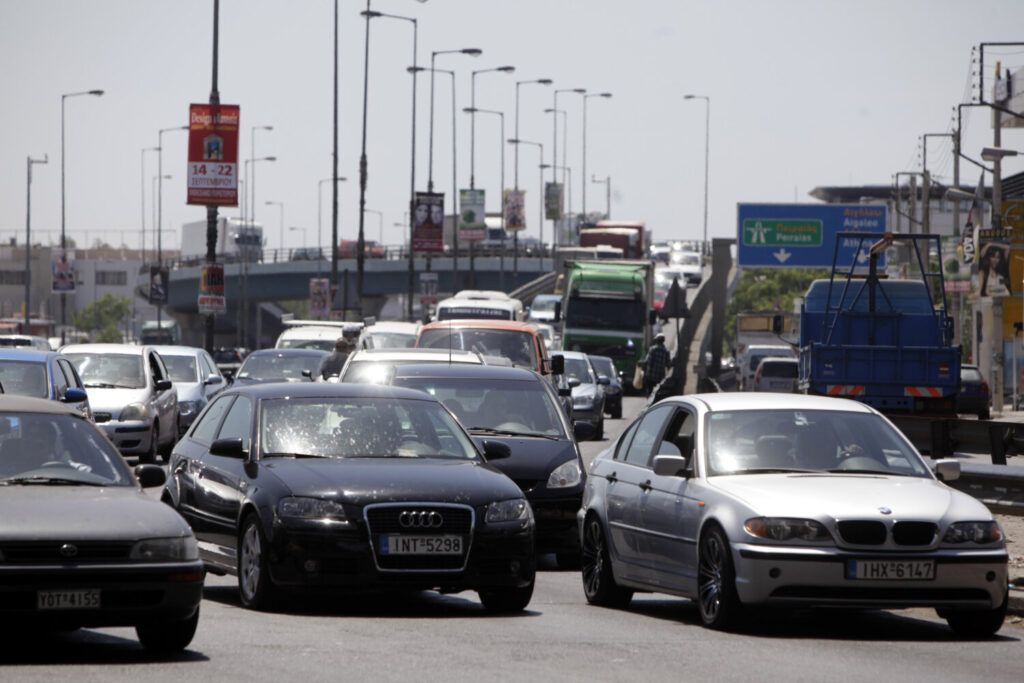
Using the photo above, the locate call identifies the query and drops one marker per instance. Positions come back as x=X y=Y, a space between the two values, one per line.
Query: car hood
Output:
x=848 y=496
x=532 y=458
x=85 y=513
x=381 y=480
x=114 y=400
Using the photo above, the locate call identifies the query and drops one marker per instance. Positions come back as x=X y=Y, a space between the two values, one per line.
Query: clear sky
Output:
x=802 y=93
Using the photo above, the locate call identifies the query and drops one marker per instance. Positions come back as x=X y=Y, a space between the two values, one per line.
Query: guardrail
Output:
x=1000 y=488
x=544 y=284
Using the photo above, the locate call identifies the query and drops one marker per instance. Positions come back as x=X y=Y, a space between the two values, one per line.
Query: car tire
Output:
x=255 y=588
x=507 y=599
x=149 y=457
x=599 y=585
x=976 y=623
x=717 y=600
x=599 y=434
x=617 y=411
x=165 y=451
x=168 y=636
x=984 y=415
x=568 y=561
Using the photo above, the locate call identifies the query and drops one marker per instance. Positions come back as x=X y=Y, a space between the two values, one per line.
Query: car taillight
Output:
x=984 y=386
x=757 y=377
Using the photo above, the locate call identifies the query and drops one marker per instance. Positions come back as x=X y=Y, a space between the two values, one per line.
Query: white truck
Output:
x=236 y=240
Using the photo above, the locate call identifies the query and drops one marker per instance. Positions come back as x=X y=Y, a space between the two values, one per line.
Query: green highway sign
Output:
x=776 y=232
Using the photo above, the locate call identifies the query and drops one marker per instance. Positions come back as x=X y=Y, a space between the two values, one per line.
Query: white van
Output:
x=316 y=334
x=751 y=357
x=472 y=305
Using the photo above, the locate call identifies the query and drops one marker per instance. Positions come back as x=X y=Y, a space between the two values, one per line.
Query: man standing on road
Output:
x=656 y=364
x=333 y=364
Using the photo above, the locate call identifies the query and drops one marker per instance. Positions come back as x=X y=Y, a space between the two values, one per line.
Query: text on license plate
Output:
x=394 y=544
x=891 y=570
x=70 y=599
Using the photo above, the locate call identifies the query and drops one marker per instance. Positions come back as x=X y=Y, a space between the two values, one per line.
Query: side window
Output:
x=60 y=382
x=238 y=422
x=70 y=374
x=206 y=427
x=209 y=367
x=623 y=446
x=678 y=437
x=647 y=432
x=156 y=369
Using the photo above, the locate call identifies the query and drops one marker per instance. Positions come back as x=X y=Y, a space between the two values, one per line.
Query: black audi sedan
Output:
x=332 y=487
x=518 y=408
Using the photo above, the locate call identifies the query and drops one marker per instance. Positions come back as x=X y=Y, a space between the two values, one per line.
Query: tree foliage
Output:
x=767 y=289
x=102 y=317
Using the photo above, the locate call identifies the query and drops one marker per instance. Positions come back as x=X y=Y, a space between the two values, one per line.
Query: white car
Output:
x=740 y=500
x=315 y=334
x=777 y=375
x=377 y=366
x=131 y=394
x=196 y=379
x=389 y=335
x=751 y=357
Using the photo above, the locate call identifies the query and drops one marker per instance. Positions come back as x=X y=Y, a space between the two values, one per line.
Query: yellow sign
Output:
x=1013 y=214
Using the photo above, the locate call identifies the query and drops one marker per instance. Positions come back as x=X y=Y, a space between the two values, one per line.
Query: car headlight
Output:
x=179 y=549
x=134 y=411
x=508 y=511
x=565 y=475
x=787 y=529
x=973 y=532
x=297 y=507
x=186 y=408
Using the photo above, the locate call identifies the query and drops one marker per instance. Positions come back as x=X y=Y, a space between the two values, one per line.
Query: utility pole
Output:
x=211 y=209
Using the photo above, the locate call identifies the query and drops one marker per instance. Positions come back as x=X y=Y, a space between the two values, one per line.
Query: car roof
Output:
x=101 y=348
x=325 y=389
x=386 y=355
x=767 y=360
x=460 y=371
x=12 y=402
x=464 y=323
x=289 y=352
x=26 y=353
x=392 y=326
x=740 y=400
x=177 y=350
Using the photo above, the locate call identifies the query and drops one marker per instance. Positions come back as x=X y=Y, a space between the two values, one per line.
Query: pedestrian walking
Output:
x=656 y=364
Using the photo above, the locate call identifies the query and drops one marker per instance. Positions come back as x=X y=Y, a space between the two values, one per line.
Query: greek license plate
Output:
x=75 y=599
x=420 y=545
x=891 y=570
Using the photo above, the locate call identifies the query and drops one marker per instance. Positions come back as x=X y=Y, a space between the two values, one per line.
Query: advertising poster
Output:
x=63 y=268
x=515 y=209
x=211 y=289
x=553 y=201
x=319 y=298
x=213 y=154
x=472 y=227
x=956 y=272
x=994 y=263
x=158 y=281
x=428 y=222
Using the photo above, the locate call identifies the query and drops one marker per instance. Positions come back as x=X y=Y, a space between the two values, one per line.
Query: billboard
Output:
x=515 y=209
x=804 y=235
x=1009 y=93
x=472 y=227
x=428 y=222
x=211 y=289
x=158 y=281
x=319 y=298
x=553 y=201
x=62 y=265
x=994 y=263
x=213 y=154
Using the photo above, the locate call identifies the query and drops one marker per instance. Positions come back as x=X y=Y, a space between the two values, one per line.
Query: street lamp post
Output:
x=142 y=202
x=28 y=239
x=554 y=147
x=380 y=225
x=244 y=326
x=707 y=144
x=607 y=181
x=63 y=205
x=303 y=231
x=280 y=205
x=540 y=201
x=501 y=141
x=160 y=195
x=251 y=182
x=583 y=176
x=319 y=221
x=565 y=136
x=566 y=171
x=540 y=81
x=472 y=119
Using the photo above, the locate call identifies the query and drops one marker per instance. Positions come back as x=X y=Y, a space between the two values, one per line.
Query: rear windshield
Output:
x=779 y=369
x=970 y=375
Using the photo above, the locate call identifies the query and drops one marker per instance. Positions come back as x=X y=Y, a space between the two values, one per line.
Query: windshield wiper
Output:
x=507 y=432
x=883 y=472
x=773 y=470
x=99 y=385
x=29 y=481
x=294 y=455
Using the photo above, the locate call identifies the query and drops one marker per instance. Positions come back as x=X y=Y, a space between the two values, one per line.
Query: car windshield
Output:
x=509 y=406
x=315 y=344
x=110 y=370
x=391 y=340
x=779 y=369
x=275 y=366
x=686 y=258
x=966 y=375
x=754 y=441
x=579 y=369
x=182 y=368
x=611 y=314
x=543 y=305
x=23 y=378
x=604 y=366
x=39 y=448
x=517 y=346
x=339 y=427
x=226 y=356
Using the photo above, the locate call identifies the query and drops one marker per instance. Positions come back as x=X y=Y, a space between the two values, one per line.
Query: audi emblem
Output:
x=420 y=519
x=68 y=550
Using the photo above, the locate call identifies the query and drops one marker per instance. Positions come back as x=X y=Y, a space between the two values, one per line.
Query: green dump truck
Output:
x=607 y=310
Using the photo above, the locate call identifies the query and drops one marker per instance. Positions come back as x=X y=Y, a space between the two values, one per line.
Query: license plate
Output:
x=72 y=599
x=420 y=545
x=891 y=570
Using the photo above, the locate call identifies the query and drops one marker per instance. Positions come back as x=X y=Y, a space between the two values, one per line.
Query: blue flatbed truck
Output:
x=885 y=342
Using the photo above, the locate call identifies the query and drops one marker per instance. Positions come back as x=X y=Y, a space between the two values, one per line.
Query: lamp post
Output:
x=501 y=184
x=540 y=201
x=28 y=238
x=251 y=181
x=566 y=171
x=472 y=119
x=583 y=176
x=142 y=203
x=301 y=229
x=63 y=206
x=554 y=147
x=319 y=221
x=244 y=326
x=280 y=205
x=540 y=81
x=160 y=195
x=607 y=181
x=707 y=143
x=380 y=225
x=565 y=136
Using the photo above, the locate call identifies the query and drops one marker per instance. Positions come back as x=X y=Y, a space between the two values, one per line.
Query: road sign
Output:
x=213 y=154
x=804 y=235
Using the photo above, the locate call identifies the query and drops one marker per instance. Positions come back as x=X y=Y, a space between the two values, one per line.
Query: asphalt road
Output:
x=425 y=636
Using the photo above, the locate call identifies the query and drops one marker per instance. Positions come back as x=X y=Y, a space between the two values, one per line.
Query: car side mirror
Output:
x=573 y=383
x=495 y=450
x=229 y=448
x=947 y=470
x=150 y=475
x=308 y=374
x=74 y=395
x=583 y=430
x=163 y=385
x=557 y=364
x=558 y=311
x=603 y=380
x=671 y=465
x=214 y=379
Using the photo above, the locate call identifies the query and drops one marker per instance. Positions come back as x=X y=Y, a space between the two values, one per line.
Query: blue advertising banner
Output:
x=804 y=235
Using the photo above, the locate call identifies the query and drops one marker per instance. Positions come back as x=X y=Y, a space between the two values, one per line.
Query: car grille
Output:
x=384 y=519
x=868 y=532
x=50 y=552
x=101 y=417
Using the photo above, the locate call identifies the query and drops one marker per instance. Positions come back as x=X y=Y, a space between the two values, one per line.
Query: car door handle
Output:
x=612 y=478
x=646 y=486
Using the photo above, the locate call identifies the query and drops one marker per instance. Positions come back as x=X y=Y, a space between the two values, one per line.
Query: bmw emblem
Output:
x=885 y=510
x=68 y=550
